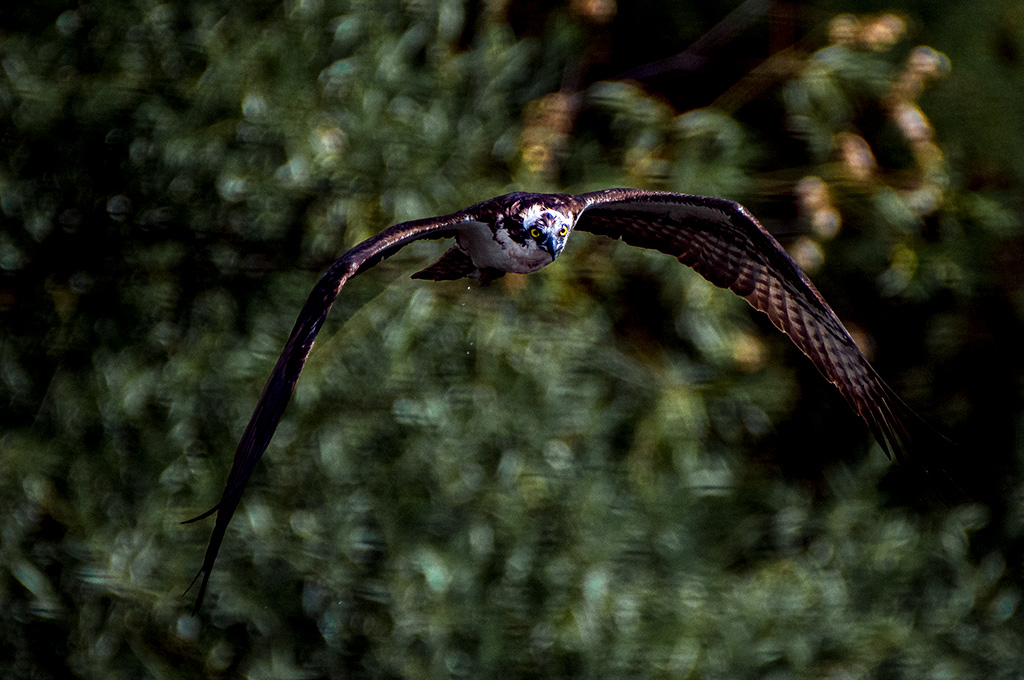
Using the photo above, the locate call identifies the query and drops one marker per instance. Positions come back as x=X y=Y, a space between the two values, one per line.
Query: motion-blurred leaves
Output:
x=603 y=469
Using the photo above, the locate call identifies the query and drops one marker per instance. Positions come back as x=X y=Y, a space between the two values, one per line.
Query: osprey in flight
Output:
x=523 y=232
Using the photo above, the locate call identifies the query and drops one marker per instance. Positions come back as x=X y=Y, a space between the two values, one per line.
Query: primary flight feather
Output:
x=523 y=232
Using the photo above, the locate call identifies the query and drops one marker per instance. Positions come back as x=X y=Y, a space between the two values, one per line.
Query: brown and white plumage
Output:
x=523 y=232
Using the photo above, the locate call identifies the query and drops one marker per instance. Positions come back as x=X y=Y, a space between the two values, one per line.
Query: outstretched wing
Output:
x=281 y=385
x=726 y=245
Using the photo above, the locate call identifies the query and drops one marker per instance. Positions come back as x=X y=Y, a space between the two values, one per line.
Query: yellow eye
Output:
x=563 y=231
x=535 y=232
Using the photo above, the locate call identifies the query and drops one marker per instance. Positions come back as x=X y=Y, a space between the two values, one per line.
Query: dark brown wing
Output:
x=281 y=385
x=454 y=264
x=723 y=243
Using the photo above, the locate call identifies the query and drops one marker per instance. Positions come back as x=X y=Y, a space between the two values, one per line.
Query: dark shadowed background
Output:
x=606 y=469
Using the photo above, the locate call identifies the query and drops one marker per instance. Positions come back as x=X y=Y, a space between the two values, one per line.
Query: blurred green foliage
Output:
x=605 y=469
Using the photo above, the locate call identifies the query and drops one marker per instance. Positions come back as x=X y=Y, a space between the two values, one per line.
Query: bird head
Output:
x=543 y=227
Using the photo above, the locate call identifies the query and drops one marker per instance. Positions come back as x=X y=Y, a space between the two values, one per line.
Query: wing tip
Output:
x=202 y=516
x=911 y=441
x=205 y=573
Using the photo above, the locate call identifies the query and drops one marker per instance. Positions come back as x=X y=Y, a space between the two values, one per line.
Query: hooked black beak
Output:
x=550 y=245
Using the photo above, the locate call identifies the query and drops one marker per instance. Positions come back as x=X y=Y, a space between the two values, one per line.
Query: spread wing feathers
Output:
x=454 y=264
x=723 y=243
x=281 y=385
